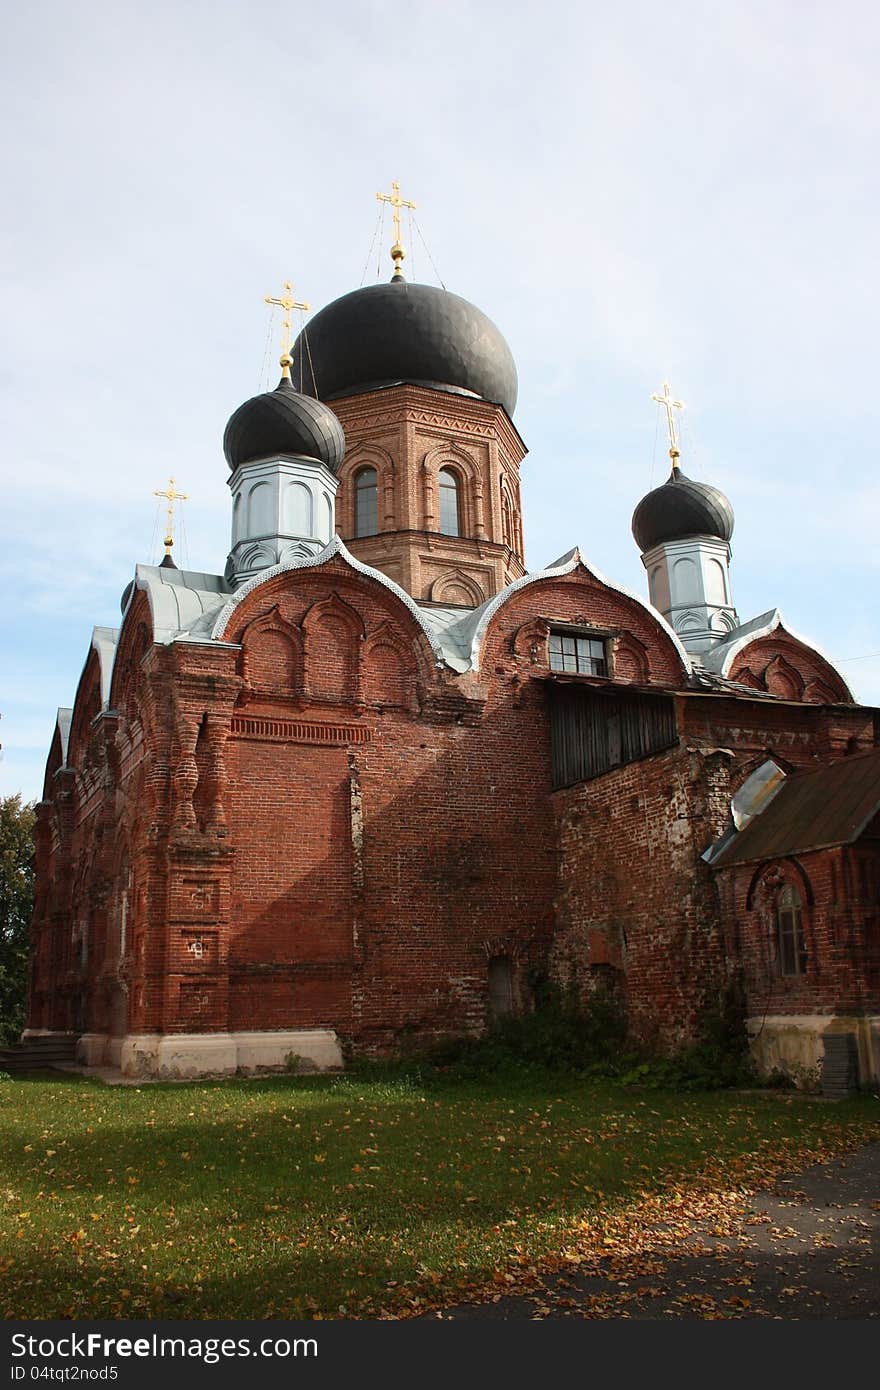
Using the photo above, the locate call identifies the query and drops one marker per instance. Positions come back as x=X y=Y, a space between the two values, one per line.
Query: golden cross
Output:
x=394 y=198
x=171 y=497
x=286 y=302
x=671 y=406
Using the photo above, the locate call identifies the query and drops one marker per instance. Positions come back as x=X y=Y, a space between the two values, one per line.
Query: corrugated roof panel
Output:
x=812 y=810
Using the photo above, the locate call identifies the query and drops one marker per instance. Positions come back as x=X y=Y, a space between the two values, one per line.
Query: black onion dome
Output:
x=681 y=508
x=397 y=332
x=283 y=422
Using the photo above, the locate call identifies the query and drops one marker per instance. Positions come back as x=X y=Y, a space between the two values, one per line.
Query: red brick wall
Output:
x=329 y=829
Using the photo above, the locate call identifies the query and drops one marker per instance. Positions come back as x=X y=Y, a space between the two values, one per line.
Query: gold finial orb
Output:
x=397 y=252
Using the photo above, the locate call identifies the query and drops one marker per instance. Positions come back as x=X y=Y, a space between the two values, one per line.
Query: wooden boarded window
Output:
x=592 y=731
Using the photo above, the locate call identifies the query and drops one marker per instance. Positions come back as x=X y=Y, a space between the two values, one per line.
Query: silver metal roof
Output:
x=179 y=599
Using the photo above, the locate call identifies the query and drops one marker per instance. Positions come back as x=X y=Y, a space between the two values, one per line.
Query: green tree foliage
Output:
x=16 y=906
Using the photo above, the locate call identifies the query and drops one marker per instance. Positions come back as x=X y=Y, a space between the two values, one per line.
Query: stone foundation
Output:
x=181 y=1055
x=793 y=1044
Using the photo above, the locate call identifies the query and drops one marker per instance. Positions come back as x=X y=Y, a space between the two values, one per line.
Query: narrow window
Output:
x=500 y=988
x=582 y=656
x=790 y=929
x=449 y=517
x=366 y=491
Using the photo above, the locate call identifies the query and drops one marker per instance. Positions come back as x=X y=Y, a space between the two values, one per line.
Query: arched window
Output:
x=449 y=515
x=790 y=931
x=366 y=495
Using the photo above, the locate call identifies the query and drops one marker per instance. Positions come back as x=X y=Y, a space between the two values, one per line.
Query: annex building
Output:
x=372 y=781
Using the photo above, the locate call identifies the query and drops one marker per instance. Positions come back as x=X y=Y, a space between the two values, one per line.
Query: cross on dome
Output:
x=397 y=202
x=671 y=405
x=286 y=302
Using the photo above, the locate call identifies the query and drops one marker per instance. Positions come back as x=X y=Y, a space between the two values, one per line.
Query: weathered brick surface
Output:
x=319 y=825
x=637 y=905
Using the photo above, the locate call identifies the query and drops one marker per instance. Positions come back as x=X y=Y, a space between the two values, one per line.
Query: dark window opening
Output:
x=500 y=988
x=366 y=492
x=580 y=656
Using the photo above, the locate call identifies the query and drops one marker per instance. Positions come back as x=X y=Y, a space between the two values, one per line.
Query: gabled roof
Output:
x=829 y=806
x=720 y=659
x=566 y=564
x=336 y=546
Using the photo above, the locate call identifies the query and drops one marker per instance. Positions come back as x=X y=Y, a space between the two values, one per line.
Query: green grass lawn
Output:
x=293 y=1197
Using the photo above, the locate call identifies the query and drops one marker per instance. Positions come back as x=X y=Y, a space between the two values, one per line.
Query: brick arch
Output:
x=630 y=657
x=770 y=878
x=530 y=641
x=458 y=588
x=389 y=672
x=86 y=707
x=272 y=655
x=367 y=456
x=746 y=676
x=511 y=520
x=135 y=640
x=819 y=692
x=783 y=680
x=461 y=464
x=333 y=634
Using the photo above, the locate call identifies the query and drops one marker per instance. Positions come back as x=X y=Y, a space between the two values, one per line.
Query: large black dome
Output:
x=283 y=422
x=395 y=332
x=681 y=508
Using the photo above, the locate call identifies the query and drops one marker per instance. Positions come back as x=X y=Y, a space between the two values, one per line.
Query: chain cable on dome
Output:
x=311 y=365
x=263 y=383
x=654 y=450
x=154 y=538
x=381 y=230
x=415 y=221
x=184 y=540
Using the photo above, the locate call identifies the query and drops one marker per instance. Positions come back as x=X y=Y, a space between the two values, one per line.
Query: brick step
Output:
x=36 y=1053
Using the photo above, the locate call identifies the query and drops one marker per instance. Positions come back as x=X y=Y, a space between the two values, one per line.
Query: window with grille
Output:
x=449 y=517
x=790 y=928
x=581 y=656
x=366 y=492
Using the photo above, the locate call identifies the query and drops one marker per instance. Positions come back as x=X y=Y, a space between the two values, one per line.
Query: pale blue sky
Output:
x=633 y=193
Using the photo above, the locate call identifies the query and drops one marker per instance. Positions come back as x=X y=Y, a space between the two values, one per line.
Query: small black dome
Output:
x=283 y=422
x=401 y=332
x=681 y=508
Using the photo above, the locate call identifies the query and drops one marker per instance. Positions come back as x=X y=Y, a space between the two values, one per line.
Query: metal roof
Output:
x=812 y=810
x=681 y=507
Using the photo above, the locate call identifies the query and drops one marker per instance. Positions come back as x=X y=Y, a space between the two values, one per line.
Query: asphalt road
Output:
x=809 y=1247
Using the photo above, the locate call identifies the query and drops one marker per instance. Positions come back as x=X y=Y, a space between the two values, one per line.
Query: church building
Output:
x=374 y=782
